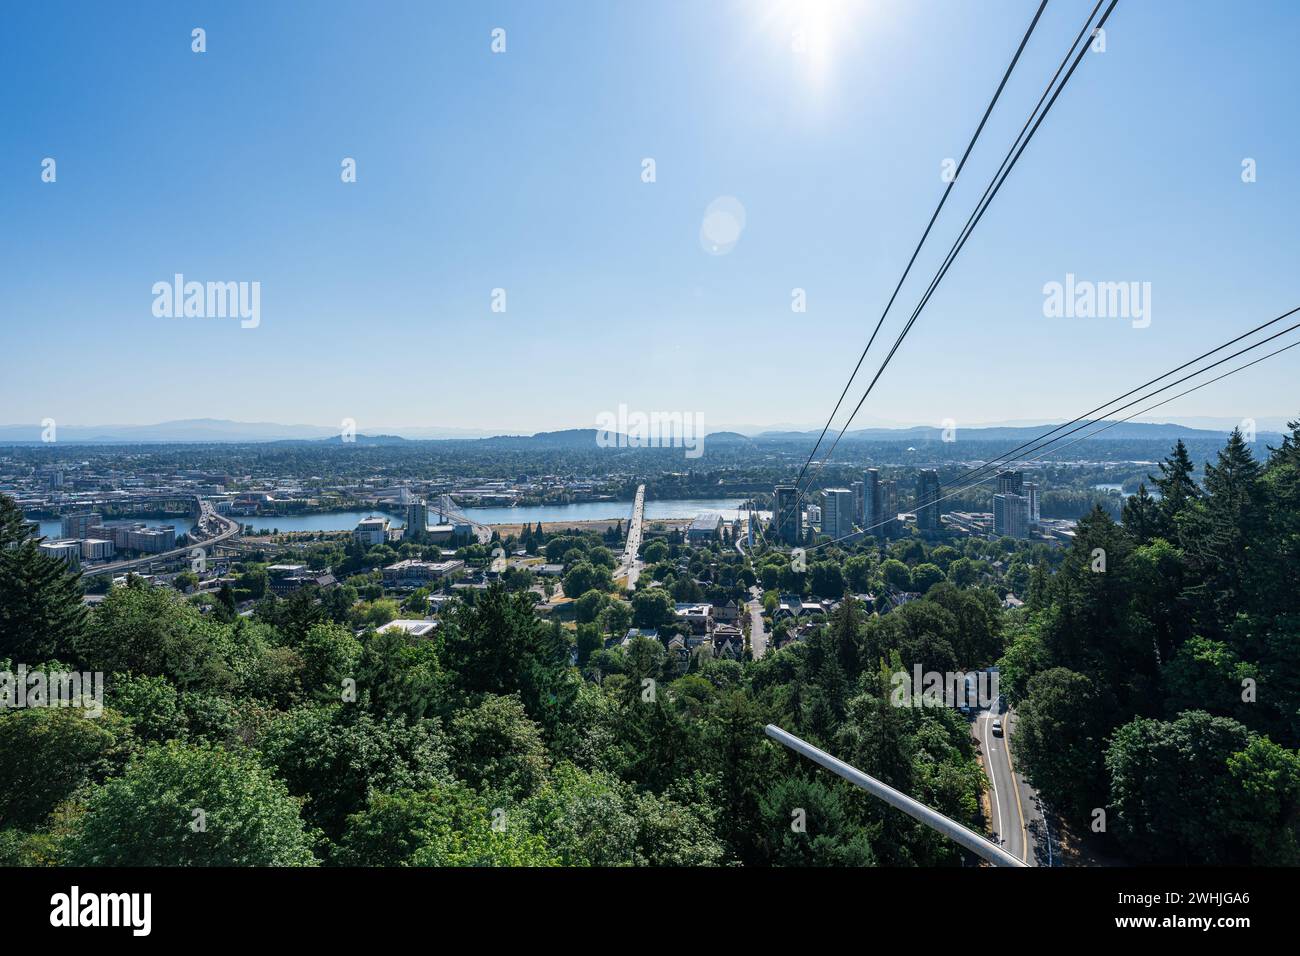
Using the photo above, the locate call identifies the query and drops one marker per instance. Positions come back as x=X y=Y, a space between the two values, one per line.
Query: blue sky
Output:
x=522 y=171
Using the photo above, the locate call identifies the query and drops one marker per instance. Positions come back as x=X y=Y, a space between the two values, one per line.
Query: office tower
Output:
x=871 y=500
x=858 y=487
x=837 y=512
x=1011 y=515
x=888 y=519
x=1011 y=483
x=927 y=500
x=785 y=515
x=77 y=525
x=1031 y=492
x=417 y=520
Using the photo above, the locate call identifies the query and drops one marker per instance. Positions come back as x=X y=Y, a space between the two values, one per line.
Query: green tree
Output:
x=445 y=825
x=652 y=607
x=41 y=616
x=336 y=757
x=186 y=805
x=1060 y=732
x=588 y=606
x=46 y=754
x=497 y=749
x=1172 y=799
x=807 y=823
x=153 y=632
x=585 y=576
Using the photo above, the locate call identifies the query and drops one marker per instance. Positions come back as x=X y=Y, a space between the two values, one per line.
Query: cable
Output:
x=994 y=463
x=1106 y=427
x=1093 y=411
x=995 y=185
x=943 y=199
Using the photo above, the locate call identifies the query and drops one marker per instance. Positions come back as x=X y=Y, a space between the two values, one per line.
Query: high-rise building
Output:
x=871 y=501
x=786 y=518
x=1011 y=483
x=837 y=512
x=417 y=519
x=1031 y=492
x=888 y=519
x=927 y=500
x=77 y=525
x=857 y=487
x=1011 y=515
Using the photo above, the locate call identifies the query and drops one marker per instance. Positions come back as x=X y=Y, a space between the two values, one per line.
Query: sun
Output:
x=811 y=31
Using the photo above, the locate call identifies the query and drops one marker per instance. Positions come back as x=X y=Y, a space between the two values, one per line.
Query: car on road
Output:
x=997 y=726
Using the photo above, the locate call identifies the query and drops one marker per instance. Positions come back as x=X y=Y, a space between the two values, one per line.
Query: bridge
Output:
x=444 y=507
x=631 y=563
x=226 y=529
x=133 y=501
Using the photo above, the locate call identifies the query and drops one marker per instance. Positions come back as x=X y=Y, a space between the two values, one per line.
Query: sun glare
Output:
x=811 y=31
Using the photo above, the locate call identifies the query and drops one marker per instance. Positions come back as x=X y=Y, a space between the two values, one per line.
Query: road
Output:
x=757 y=633
x=630 y=566
x=208 y=517
x=1016 y=822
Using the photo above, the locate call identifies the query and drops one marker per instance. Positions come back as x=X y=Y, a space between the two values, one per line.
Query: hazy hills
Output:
x=213 y=430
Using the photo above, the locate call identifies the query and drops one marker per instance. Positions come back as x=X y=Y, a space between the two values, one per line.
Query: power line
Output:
x=994 y=463
x=990 y=192
x=1108 y=425
x=1099 y=408
x=934 y=216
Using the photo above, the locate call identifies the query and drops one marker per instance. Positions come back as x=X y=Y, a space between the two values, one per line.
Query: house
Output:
x=725 y=635
x=680 y=651
x=727 y=614
x=650 y=633
x=699 y=617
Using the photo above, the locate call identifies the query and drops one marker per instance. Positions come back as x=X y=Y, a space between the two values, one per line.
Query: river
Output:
x=581 y=511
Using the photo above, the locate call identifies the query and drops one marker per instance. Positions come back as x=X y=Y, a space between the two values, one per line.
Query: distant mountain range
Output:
x=214 y=430
x=927 y=433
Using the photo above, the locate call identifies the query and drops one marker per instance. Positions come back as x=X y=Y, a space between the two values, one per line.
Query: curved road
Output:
x=230 y=528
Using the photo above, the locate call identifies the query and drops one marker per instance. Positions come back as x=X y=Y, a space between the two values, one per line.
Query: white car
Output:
x=997 y=726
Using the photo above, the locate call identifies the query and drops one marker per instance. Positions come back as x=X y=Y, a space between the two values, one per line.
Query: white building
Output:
x=837 y=512
x=371 y=531
x=1011 y=515
x=69 y=551
x=1031 y=492
x=96 y=549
